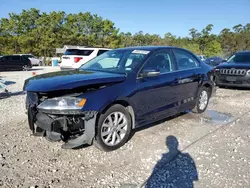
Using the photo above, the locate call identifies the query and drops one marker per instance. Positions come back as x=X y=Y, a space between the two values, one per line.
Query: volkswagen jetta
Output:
x=120 y=90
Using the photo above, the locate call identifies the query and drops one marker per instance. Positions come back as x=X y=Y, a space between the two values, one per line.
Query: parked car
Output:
x=116 y=92
x=74 y=58
x=202 y=57
x=236 y=72
x=35 y=61
x=214 y=61
x=15 y=62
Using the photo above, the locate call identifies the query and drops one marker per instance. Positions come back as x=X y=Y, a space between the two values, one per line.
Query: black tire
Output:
x=197 y=108
x=98 y=142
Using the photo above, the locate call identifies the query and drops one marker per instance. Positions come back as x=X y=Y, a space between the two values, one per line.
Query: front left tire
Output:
x=113 y=128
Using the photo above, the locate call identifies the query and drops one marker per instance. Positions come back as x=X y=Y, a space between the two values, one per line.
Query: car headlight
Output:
x=62 y=104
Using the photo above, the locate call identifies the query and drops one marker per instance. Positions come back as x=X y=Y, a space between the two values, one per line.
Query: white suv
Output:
x=74 y=58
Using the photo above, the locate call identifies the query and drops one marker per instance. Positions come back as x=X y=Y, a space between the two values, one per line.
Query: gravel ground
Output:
x=208 y=150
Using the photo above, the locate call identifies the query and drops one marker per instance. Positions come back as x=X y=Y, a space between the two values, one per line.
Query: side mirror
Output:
x=150 y=73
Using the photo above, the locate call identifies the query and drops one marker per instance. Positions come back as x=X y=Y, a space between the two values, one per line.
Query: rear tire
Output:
x=202 y=100
x=25 y=68
x=113 y=128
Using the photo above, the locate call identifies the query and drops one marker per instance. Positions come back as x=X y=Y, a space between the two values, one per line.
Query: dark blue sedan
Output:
x=120 y=90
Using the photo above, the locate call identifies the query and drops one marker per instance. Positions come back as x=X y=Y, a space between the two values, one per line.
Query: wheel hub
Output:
x=114 y=128
x=203 y=100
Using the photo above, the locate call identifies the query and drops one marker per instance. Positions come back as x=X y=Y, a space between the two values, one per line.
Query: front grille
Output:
x=238 y=72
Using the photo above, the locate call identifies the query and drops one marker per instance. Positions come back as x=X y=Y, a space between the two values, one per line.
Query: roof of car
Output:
x=149 y=48
x=242 y=52
x=87 y=48
x=11 y=55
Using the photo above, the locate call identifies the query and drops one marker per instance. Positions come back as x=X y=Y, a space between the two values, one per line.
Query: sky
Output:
x=149 y=16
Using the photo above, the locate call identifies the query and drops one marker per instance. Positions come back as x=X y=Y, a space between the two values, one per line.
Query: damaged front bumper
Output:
x=74 y=130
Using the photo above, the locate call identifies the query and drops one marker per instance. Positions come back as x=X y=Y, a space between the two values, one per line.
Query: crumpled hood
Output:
x=63 y=80
x=234 y=65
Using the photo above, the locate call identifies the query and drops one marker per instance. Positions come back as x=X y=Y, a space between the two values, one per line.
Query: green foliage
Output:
x=40 y=33
x=193 y=48
x=212 y=48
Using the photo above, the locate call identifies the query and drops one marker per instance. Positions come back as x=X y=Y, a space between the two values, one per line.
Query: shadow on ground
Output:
x=175 y=169
x=5 y=95
x=235 y=88
x=7 y=83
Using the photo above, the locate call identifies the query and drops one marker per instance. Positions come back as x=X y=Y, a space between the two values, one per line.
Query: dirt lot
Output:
x=213 y=149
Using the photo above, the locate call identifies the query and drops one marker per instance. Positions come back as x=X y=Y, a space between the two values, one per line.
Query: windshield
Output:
x=78 y=52
x=240 y=58
x=116 y=61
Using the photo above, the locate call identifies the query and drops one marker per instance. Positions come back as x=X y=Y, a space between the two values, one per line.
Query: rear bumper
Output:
x=83 y=132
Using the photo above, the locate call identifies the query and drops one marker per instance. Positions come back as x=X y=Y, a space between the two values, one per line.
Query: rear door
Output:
x=189 y=76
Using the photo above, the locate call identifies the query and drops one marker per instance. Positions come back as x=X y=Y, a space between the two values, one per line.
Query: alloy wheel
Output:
x=203 y=100
x=114 y=128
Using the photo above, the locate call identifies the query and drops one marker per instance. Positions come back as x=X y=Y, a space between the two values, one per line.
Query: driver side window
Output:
x=161 y=61
x=185 y=60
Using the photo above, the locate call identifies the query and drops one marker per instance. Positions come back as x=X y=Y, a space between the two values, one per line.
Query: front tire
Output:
x=113 y=128
x=202 y=100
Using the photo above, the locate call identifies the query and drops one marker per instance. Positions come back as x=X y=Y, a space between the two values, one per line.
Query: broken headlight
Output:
x=62 y=104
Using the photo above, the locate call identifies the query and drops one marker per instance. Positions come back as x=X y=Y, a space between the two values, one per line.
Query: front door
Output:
x=156 y=96
x=189 y=76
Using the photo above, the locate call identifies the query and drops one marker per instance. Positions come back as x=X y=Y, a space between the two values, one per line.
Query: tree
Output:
x=193 y=48
x=40 y=33
x=213 y=48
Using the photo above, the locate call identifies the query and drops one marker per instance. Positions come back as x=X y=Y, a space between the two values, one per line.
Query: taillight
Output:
x=77 y=59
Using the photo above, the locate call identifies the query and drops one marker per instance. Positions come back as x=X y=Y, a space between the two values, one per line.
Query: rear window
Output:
x=78 y=52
